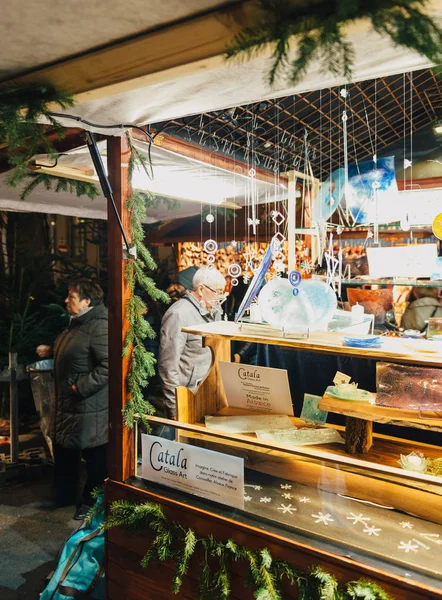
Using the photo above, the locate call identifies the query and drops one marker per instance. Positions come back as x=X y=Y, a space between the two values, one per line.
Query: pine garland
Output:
x=318 y=28
x=21 y=109
x=142 y=362
x=59 y=184
x=174 y=542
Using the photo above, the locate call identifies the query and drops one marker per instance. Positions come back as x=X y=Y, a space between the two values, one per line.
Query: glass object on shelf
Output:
x=308 y=490
x=311 y=310
x=409 y=387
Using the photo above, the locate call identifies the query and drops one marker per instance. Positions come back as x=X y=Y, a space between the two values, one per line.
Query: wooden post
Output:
x=121 y=440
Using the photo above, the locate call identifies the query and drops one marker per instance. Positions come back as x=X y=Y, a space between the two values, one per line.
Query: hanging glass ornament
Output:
x=234 y=270
x=249 y=256
x=234 y=282
x=277 y=241
x=210 y=259
x=277 y=218
x=210 y=246
x=295 y=279
x=339 y=229
x=234 y=243
x=210 y=218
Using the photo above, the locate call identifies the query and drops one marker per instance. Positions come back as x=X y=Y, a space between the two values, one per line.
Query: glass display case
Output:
x=354 y=494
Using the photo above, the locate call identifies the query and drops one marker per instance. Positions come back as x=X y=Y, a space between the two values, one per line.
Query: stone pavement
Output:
x=31 y=535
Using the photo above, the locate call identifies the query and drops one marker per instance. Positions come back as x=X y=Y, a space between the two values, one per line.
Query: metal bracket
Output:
x=130 y=254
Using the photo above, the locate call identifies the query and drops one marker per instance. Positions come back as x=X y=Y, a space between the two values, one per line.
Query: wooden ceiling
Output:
x=279 y=135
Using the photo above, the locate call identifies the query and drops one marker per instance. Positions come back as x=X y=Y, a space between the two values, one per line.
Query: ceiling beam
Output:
x=170 y=52
x=215 y=159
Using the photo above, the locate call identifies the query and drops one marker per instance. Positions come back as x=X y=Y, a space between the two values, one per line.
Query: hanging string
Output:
x=376 y=183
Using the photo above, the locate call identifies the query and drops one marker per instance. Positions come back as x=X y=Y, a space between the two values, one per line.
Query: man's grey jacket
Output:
x=182 y=359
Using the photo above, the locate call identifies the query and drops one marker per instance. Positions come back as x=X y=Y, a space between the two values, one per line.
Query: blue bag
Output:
x=80 y=569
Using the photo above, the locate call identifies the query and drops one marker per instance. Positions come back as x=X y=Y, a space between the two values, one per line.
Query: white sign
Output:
x=198 y=471
x=416 y=260
x=257 y=388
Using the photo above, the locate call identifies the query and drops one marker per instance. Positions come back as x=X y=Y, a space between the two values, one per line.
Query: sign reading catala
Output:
x=194 y=470
x=174 y=463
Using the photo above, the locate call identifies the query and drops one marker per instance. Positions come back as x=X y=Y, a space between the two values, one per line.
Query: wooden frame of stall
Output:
x=125 y=578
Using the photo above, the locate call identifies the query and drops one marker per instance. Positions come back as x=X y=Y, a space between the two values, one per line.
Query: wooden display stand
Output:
x=362 y=415
x=126 y=580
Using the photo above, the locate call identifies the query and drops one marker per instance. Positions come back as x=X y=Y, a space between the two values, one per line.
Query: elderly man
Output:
x=182 y=359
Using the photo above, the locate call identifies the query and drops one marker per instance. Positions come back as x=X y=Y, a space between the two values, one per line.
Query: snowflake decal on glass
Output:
x=287 y=509
x=371 y=530
x=257 y=487
x=265 y=500
x=304 y=500
x=358 y=519
x=286 y=486
x=247 y=498
x=406 y=525
x=287 y=495
x=408 y=546
x=321 y=518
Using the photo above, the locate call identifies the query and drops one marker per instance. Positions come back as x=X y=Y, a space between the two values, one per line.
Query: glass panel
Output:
x=366 y=507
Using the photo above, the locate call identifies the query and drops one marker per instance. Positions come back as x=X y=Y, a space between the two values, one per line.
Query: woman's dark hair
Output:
x=87 y=289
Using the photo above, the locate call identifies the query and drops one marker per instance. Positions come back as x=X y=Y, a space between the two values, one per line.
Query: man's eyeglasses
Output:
x=217 y=292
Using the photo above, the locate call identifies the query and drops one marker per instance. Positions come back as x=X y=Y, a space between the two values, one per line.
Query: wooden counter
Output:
x=396 y=350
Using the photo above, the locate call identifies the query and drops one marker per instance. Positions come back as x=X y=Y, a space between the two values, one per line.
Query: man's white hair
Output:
x=210 y=277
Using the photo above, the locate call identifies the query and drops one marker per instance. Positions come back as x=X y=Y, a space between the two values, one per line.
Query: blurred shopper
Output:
x=426 y=305
x=79 y=419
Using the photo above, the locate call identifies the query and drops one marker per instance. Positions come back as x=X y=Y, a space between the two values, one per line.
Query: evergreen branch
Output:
x=183 y=559
x=364 y=590
x=21 y=109
x=173 y=542
x=80 y=188
x=98 y=495
x=325 y=583
x=318 y=30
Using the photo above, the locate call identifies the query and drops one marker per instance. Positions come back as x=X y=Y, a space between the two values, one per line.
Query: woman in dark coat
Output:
x=79 y=420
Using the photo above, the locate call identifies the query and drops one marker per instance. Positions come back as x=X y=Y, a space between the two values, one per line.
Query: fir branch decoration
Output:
x=318 y=28
x=174 y=542
x=142 y=362
x=21 y=108
x=60 y=184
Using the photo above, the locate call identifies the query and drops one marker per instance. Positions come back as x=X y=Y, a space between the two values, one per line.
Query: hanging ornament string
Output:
x=376 y=184
x=344 y=94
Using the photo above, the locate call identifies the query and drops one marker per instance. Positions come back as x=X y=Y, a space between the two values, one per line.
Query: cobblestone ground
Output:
x=31 y=535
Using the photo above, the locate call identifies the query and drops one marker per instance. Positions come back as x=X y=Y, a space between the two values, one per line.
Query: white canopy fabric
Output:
x=234 y=83
x=191 y=183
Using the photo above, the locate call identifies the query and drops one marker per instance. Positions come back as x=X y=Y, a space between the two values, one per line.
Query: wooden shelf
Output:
x=382 y=414
x=395 y=350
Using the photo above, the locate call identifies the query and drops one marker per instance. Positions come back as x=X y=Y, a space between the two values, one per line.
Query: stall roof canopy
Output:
x=181 y=185
x=159 y=62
